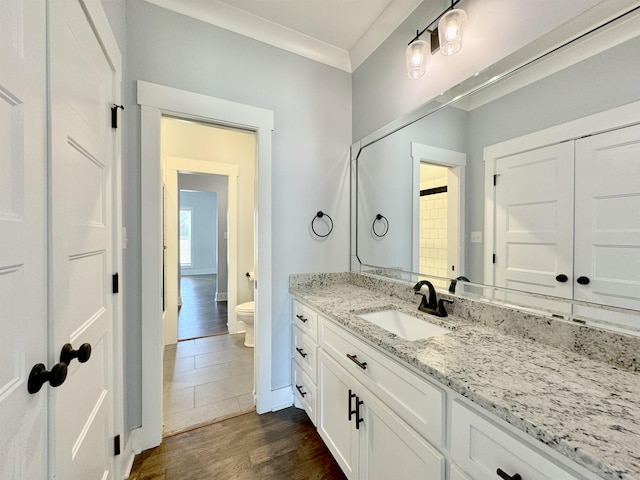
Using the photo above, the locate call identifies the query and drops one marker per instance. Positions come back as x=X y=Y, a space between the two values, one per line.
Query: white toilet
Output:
x=245 y=314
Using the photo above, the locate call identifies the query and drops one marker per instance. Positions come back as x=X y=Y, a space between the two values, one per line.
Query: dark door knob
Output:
x=39 y=376
x=562 y=278
x=583 y=280
x=67 y=354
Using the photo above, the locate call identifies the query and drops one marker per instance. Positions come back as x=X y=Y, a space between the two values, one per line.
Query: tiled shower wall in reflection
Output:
x=433 y=222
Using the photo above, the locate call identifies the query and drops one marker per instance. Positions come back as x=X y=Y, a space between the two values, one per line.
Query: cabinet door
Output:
x=337 y=429
x=607 y=250
x=389 y=448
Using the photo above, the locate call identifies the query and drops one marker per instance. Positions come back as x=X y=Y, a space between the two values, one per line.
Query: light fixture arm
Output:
x=426 y=29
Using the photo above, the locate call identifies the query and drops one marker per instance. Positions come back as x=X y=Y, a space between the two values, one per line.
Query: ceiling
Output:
x=340 y=33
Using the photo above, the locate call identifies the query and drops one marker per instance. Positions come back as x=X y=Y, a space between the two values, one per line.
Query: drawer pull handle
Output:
x=299 y=388
x=351 y=396
x=354 y=359
x=506 y=476
x=358 y=419
x=301 y=352
x=302 y=319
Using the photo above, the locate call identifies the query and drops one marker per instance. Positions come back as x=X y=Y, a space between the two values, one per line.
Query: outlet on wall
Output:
x=476 y=237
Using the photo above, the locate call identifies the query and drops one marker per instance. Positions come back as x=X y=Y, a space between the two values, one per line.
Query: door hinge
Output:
x=116 y=445
x=495 y=179
x=115 y=282
x=114 y=115
x=494 y=258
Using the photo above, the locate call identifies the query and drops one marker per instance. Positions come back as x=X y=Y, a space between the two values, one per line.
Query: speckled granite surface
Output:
x=585 y=409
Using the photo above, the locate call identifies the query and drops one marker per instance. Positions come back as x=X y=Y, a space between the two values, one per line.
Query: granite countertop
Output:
x=587 y=410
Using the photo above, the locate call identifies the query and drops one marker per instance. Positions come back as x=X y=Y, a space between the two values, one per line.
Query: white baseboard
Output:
x=281 y=398
x=221 y=296
x=128 y=455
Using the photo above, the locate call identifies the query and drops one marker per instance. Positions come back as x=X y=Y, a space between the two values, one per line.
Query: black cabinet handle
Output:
x=301 y=352
x=351 y=396
x=299 y=387
x=562 y=278
x=83 y=354
x=358 y=419
x=39 y=376
x=583 y=280
x=506 y=476
x=354 y=359
x=302 y=319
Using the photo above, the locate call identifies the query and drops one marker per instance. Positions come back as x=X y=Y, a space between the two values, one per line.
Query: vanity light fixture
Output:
x=447 y=37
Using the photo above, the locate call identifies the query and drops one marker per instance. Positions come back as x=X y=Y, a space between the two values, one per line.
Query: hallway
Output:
x=200 y=314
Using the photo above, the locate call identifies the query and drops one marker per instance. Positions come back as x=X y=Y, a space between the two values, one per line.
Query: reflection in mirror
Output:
x=560 y=230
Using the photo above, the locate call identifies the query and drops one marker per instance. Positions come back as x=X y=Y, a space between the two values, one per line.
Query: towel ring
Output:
x=321 y=214
x=380 y=218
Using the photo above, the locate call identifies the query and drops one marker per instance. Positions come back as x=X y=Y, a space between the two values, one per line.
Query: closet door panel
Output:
x=534 y=215
x=607 y=227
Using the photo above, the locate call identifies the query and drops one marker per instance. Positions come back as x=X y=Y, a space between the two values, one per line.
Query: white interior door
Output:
x=607 y=229
x=81 y=242
x=533 y=218
x=23 y=293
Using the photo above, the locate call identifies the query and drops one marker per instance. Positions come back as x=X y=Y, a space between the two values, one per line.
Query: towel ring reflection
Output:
x=321 y=214
x=380 y=218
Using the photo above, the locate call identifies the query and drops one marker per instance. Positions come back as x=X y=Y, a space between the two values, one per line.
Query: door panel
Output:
x=534 y=205
x=608 y=218
x=81 y=82
x=23 y=308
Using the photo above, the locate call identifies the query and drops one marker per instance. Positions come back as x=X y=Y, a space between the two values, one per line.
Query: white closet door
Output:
x=607 y=228
x=23 y=195
x=534 y=218
x=81 y=249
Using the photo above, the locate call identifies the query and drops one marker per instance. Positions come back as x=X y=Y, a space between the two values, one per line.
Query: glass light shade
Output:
x=451 y=30
x=417 y=53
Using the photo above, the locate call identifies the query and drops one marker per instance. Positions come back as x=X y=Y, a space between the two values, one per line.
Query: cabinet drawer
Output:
x=304 y=391
x=306 y=319
x=416 y=401
x=305 y=352
x=481 y=447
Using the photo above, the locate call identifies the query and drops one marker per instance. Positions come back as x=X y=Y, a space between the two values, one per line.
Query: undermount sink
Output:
x=403 y=325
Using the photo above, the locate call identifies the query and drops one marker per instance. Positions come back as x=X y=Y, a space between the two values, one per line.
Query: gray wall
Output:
x=312 y=108
x=204 y=254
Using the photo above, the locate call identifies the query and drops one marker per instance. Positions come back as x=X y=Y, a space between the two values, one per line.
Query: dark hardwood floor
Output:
x=279 y=445
x=200 y=314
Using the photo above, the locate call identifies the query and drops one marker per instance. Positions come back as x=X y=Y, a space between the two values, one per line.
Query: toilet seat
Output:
x=246 y=308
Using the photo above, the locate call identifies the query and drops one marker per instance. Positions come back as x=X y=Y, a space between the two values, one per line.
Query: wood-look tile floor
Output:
x=279 y=445
x=206 y=379
x=200 y=315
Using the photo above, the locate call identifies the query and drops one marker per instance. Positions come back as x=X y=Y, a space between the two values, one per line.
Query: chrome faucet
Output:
x=432 y=305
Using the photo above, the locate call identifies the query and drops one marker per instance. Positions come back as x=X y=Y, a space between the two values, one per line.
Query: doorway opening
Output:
x=209 y=237
x=203 y=236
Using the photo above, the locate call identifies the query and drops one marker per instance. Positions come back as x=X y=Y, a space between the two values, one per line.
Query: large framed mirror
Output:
x=524 y=184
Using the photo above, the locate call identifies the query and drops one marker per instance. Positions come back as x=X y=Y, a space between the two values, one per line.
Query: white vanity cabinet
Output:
x=367 y=439
x=369 y=408
x=381 y=420
x=304 y=354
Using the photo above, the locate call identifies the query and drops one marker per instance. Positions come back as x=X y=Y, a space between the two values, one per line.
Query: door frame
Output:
x=456 y=162
x=173 y=166
x=157 y=100
x=601 y=122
